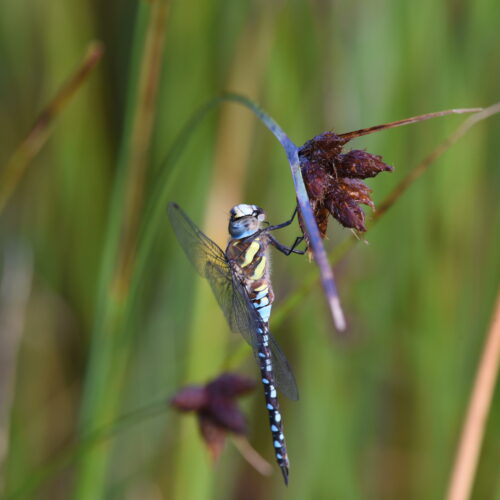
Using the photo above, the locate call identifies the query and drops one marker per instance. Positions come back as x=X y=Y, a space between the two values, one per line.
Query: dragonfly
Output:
x=240 y=281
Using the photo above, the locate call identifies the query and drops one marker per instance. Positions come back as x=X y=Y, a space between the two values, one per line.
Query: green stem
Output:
x=79 y=449
x=111 y=345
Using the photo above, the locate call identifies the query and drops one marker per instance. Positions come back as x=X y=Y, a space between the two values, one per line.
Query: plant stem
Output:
x=140 y=143
x=78 y=449
x=111 y=346
x=406 y=121
x=250 y=454
x=16 y=167
x=466 y=459
x=281 y=312
x=416 y=172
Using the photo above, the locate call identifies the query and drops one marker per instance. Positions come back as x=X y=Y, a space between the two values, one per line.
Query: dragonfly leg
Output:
x=283 y=224
x=279 y=246
x=287 y=250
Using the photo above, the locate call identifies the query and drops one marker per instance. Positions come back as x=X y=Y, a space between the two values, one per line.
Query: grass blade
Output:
x=467 y=456
x=110 y=346
x=16 y=167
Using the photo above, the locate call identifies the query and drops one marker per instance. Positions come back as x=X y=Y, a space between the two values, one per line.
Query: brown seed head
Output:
x=332 y=180
x=215 y=406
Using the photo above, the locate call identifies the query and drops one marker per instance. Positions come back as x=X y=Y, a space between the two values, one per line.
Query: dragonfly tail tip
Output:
x=284 y=471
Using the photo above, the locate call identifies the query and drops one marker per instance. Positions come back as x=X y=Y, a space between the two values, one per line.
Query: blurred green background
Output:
x=380 y=414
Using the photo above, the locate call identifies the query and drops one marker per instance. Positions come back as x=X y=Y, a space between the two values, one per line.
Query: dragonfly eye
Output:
x=259 y=215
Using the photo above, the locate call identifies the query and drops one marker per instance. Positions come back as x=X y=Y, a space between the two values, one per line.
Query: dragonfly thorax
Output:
x=245 y=220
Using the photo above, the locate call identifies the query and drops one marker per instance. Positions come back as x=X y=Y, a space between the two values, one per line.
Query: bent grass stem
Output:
x=282 y=311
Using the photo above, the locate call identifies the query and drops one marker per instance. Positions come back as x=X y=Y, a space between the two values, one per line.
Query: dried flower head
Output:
x=216 y=409
x=333 y=180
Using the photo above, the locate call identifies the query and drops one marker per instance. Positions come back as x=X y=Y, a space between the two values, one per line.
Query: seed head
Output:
x=215 y=407
x=333 y=180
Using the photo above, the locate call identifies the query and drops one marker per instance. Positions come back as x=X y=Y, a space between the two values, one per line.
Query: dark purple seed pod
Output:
x=333 y=180
x=215 y=406
x=190 y=398
x=360 y=164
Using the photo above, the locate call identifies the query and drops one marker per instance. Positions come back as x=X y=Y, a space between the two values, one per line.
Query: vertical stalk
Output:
x=467 y=456
x=110 y=346
x=140 y=143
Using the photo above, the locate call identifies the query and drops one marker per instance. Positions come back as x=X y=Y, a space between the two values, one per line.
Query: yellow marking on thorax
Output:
x=259 y=270
x=250 y=253
x=261 y=288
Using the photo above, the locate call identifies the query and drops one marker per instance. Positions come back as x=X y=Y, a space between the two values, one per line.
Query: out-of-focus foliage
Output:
x=379 y=414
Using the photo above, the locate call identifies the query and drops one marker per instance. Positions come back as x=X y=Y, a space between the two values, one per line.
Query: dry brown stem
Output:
x=140 y=143
x=40 y=131
x=416 y=172
x=477 y=413
x=406 y=121
x=260 y=464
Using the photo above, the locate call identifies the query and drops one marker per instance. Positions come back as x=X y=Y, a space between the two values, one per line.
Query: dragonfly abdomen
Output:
x=261 y=295
x=251 y=261
x=241 y=283
x=272 y=404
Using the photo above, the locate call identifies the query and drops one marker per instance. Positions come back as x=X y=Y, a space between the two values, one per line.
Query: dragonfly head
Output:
x=245 y=220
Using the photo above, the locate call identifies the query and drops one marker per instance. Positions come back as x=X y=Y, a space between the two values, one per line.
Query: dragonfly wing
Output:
x=234 y=302
x=283 y=373
x=199 y=249
x=211 y=263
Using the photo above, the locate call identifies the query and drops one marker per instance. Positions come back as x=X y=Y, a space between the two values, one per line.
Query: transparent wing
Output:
x=233 y=300
x=285 y=379
x=211 y=263
x=199 y=248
